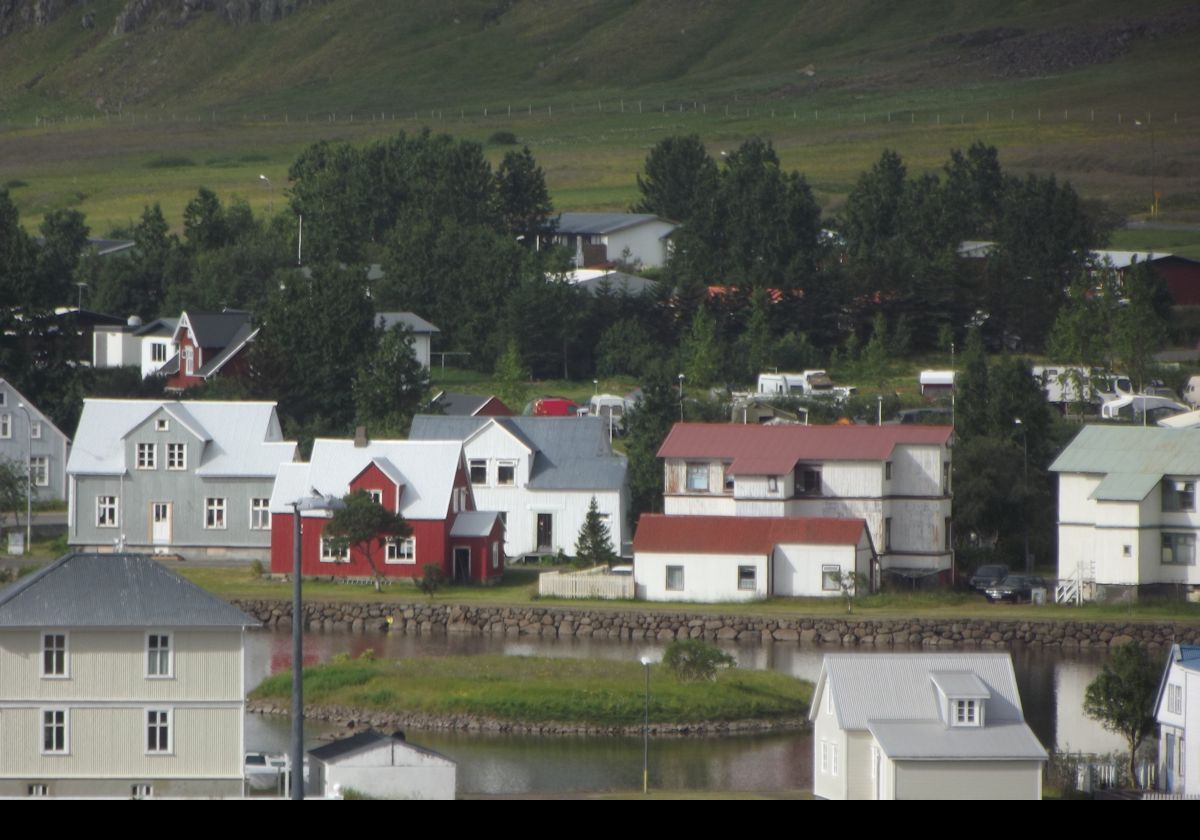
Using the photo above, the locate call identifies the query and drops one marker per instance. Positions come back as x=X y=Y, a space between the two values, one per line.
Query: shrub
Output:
x=14 y=183
x=170 y=162
x=503 y=138
x=693 y=660
x=256 y=568
x=431 y=580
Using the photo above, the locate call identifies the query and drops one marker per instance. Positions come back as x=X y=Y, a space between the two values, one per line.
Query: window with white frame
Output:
x=833 y=759
x=260 y=514
x=478 y=469
x=330 y=554
x=158 y=655
x=55 y=740
x=674 y=578
x=697 y=478
x=214 y=513
x=966 y=712
x=39 y=470
x=177 y=456
x=162 y=424
x=142 y=791
x=376 y=496
x=824 y=756
x=831 y=578
x=5 y=426
x=106 y=511
x=35 y=430
x=158 y=352
x=147 y=456
x=38 y=790
x=54 y=655
x=158 y=731
x=506 y=473
x=747 y=578
x=401 y=550
x=189 y=360
x=1178 y=549
x=495 y=554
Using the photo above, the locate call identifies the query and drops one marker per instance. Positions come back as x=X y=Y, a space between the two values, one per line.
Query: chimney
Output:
x=360 y=437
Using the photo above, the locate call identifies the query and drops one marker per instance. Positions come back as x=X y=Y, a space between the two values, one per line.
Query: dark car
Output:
x=988 y=576
x=1015 y=588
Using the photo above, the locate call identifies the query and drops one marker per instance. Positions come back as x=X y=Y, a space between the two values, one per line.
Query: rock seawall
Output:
x=846 y=631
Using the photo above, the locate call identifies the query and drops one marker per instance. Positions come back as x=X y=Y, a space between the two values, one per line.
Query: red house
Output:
x=208 y=342
x=424 y=481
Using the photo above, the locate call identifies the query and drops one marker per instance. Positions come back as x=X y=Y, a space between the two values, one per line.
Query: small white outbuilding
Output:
x=382 y=766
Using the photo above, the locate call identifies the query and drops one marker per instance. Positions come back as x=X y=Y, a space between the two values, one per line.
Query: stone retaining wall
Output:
x=564 y=622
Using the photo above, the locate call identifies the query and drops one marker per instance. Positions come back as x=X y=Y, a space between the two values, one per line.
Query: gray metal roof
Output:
x=921 y=741
x=474 y=523
x=244 y=335
x=899 y=686
x=1131 y=459
x=964 y=684
x=343 y=747
x=159 y=326
x=569 y=453
x=215 y=329
x=34 y=414
x=601 y=223
x=616 y=282
x=455 y=404
x=414 y=322
x=240 y=438
x=112 y=590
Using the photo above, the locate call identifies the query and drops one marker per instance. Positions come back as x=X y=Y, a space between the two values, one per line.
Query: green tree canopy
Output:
x=594 y=546
x=680 y=179
x=363 y=523
x=391 y=385
x=1122 y=698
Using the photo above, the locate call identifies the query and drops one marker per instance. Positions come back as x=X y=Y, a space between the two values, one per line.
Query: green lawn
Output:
x=519 y=588
x=535 y=690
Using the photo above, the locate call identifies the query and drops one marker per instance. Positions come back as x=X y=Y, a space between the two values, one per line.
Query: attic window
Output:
x=162 y=424
x=966 y=712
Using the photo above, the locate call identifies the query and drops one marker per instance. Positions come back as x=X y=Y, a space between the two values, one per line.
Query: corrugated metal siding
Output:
x=110 y=743
x=989 y=780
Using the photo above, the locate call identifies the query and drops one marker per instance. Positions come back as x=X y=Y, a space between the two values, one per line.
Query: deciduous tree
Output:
x=364 y=524
x=1122 y=698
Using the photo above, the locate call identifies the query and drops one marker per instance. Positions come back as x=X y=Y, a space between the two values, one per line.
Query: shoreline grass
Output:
x=539 y=690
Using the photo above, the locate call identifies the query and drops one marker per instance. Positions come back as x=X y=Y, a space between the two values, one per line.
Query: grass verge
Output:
x=531 y=689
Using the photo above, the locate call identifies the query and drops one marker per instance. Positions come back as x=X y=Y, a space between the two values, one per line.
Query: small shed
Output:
x=383 y=766
x=935 y=382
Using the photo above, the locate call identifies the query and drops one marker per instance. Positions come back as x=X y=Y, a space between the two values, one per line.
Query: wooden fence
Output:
x=590 y=583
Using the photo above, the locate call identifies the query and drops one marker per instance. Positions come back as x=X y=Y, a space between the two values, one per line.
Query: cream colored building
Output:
x=119 y=679
x=922 y=726
x=1177 y=711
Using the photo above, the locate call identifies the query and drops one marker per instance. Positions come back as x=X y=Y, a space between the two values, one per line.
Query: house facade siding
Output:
x=47 y=447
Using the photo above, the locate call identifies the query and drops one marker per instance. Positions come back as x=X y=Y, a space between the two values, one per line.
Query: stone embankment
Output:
x=350 y=718
x=847 y=631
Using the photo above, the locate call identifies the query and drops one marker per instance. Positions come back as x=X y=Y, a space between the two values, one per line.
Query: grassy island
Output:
x=540 y=690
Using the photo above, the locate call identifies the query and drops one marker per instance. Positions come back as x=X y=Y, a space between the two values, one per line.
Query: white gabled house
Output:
x=29 y=439
x=896 y=478
x=720 y=558
x=1127 y=511
x=1178 y=714
x=922 y=726
x=601 y=238
x=540 y=473
x=385 y=766
x=118 y=678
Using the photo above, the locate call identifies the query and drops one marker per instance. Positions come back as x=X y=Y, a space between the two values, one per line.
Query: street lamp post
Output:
x=28 y=478
x=646 y=730
x=270 y=193
x=1025 y=490
x=681 y=398
x=313 y=502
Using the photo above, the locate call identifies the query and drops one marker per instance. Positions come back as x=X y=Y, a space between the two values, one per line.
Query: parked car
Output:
x=1015 y=588
x=988 y=576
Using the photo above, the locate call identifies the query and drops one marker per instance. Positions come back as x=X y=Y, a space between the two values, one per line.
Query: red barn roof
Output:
x=657 y=532
x=775 y=450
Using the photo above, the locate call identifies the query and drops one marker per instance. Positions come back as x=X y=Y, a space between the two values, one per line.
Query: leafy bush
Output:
x=14 y=183
x=693 y=660
x=431 y=580
x=256 y=568
x=503 y=138
x=170 y=162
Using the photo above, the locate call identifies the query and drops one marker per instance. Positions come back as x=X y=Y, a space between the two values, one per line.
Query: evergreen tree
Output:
x=525 y=206
x=391 y=386
x=594 y=545
x=680 y=179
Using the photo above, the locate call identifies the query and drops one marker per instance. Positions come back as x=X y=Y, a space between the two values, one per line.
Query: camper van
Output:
x=1065 y=385
x=809 y=383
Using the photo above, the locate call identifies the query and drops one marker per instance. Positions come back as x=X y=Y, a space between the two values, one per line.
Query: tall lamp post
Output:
x=28 y=478
x=314 y=502
x=681 y=398
x=1025 y=490
x=646 y=730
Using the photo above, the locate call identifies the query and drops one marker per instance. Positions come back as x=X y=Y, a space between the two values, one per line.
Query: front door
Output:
x=462 y=564
x=545 y=531
x=160 y=523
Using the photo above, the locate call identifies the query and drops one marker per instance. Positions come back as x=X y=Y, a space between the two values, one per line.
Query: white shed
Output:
x=383 y=766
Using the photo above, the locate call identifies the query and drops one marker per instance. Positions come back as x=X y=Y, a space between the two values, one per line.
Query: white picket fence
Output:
x=589 y=583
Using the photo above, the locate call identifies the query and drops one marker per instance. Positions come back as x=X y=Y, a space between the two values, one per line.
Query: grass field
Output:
x=590 y=87
x=535 y=690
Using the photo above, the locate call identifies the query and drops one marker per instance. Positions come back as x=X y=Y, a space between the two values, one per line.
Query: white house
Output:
x=421 y=331
x=541 y=473
x=600 y=238
x=119 y=678
x=28 y=438
x=922 y=726
x=721 y=558
x=385 y=766
x=896 y=478
x=1127 y=513
x=1178 y=714
x=186 y=478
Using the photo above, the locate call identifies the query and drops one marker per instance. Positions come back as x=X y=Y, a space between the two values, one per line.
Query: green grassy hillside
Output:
x=590 y=85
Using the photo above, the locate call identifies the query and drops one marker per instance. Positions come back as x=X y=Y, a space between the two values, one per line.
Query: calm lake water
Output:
x=1052 y=683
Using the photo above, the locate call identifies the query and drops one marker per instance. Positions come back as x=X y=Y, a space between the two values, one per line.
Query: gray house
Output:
x=186 y=478
x=26 y=432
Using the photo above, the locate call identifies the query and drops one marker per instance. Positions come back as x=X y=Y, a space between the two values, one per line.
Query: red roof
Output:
x=657 y=532
x=775 y=450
